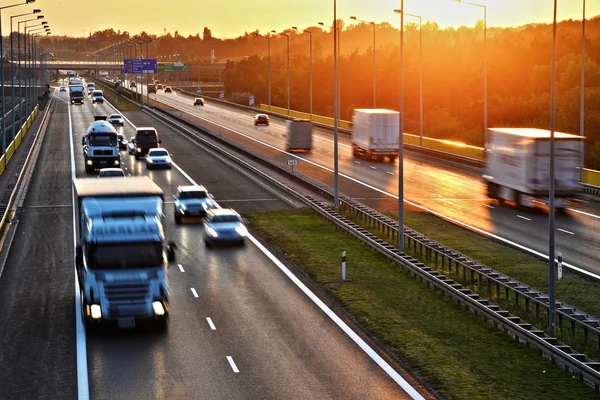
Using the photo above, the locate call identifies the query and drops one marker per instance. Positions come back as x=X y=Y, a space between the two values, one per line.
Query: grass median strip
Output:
x=455 y=351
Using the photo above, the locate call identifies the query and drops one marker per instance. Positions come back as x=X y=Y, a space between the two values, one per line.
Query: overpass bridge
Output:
x=100 y=65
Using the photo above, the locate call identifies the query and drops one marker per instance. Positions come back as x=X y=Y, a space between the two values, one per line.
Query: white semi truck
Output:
x=518 y=166
x=375 y=134
x=101 y=146
x=122 y=255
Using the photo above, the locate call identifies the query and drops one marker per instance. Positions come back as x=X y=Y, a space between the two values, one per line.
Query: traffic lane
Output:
x=37 y=343
x=454 y=198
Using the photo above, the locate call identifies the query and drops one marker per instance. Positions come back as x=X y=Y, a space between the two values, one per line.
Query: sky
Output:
x=231 y=18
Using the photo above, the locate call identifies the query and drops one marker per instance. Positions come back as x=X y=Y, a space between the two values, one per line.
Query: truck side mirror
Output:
x=78 y=257
x=160 y=141
x=83 y=140
x=171 y=251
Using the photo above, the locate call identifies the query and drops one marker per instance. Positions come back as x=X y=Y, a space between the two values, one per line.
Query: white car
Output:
x=111 y=173
x=224 y=226
x=158 y=158
x=116 y=119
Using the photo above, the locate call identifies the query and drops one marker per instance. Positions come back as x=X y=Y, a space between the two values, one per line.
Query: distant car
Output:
x=97 y=96
x=198 y=101
x=111 y=173
x=168 y=89
x=158 y=158
x=224 y=226
x=131 y=145
x=63 y=89
x=132 y=84
x=191 y=201
x=159 y=86
x=261 y=119
x=115 y=119
x=91 y=90
x=122 y=141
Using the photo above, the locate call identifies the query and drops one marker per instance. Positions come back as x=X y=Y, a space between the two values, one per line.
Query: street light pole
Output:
x=311 y=72
x=401 y=137
x=269 y=65
x=288 y=68
x=551 y=249
x=582 y=94
x=485 y=113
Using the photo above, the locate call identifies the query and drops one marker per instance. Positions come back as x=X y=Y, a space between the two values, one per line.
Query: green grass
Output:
x=455 y=351
x=572 y=289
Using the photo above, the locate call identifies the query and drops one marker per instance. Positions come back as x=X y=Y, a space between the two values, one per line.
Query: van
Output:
x=97 y=96
x=145 y=139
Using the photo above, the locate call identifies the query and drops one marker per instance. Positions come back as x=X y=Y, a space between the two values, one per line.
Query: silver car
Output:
x=116 y=119
x=191 y=201
x=224 y=226
x=111 y=173
x=158 y=158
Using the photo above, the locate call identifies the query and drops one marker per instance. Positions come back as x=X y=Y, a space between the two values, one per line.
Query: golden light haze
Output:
x=231 y=18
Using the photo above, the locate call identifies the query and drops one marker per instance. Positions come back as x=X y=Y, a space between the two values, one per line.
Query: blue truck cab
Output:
x=122 y=256
x=101 y=146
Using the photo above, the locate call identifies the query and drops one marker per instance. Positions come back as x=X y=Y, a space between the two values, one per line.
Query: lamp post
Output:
x=2 y=74
x=420 y=74
x=29 y=91
x=485 y=125
x=582 y=94
x=311 y=71
x=288 y=68
x=269 y=64
x=34 y=33
x=147 y=78
x=551 y=249
x=374 y=64
x=12 y=71
x=401 y=138
x=20 y=67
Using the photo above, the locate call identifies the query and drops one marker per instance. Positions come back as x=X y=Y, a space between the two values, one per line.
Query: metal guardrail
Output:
x=8 y=198
x=576 y=363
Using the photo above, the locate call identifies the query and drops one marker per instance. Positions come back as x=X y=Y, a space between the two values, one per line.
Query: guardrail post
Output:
x=537 y=312
x=506 y=293
x=560 y=322
x=527 y=305
x=585 y=336
x=572 y=329
x=516 y=298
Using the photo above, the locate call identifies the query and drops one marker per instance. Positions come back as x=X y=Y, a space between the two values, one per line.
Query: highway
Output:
x=242 y=326
x=454 y=192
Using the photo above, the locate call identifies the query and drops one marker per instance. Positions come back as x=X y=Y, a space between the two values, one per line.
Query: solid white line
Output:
x=373 y=167
x=232 y=364
x=329 y=152
x=584 y=213
x=525 y=218
x=356 y=162
x=210 y=323
x=194 y=292
x=432 y=212
x=357 y=339
x=83 y=390
x=181 y=267
x=562 y=230
x=391 y=173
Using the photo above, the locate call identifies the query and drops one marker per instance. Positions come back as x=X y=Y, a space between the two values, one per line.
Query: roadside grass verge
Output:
x=573 y=289
x=455 y=351
x=120 y=102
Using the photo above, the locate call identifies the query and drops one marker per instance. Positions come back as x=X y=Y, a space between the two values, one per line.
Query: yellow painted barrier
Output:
x=2 y=164
x=18 y=138
x=591 y=177
x=10 y=151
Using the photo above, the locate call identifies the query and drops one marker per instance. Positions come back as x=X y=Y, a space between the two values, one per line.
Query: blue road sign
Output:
x=251 y=100
x=199 y=91
x=140 y=66
x=221 y=95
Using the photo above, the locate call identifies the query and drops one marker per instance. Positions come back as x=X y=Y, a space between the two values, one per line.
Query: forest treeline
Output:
x=519 y=73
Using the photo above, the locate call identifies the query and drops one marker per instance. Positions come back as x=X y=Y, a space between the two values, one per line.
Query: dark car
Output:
x=261 y=119
x=198 y=101
x=122 y=141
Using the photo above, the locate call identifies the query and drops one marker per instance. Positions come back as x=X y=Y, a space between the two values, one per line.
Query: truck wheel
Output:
x=354 y=152
x=392 y=159
x=88 y=169
x=492 y=190
x=177 y=218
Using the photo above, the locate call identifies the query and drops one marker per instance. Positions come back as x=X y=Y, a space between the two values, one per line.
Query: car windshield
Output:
x=103 y=140
x=159 y=153
x=130 y=255
x=115 y=116
x=196 y=194
x=225 y=218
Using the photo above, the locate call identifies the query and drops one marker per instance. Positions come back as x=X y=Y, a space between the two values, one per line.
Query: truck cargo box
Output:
x=299 y=135
x=376 y=133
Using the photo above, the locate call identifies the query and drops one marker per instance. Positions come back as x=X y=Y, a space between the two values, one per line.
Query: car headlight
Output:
x=242 y=231
x=117 y=162
x=158 y=307
x=89 y=162
x=212 y=232
x=138 y=150
x=149 y=160
x=183 y=206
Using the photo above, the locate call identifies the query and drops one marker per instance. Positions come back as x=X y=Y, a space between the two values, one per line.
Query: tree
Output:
x=206 y=34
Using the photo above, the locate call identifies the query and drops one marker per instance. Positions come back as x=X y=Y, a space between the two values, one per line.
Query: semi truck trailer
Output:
x=518 y=166
x=375 y=134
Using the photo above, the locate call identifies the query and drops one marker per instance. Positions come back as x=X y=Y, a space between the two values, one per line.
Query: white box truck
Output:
x=518 y=166
x=375 y=134
x=299 y=135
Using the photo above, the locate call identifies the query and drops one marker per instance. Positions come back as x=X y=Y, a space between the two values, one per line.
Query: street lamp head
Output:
x=353 y=17
x=40 y=16
x=29 y=1
x=397 y=11
x=295 y=28
x=37 y=10
x=44 y=23
x=273 y=31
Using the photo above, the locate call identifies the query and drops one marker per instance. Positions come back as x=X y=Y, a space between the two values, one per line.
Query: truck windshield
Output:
x=103 y=140
x=125 y=255
x=146 y=138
